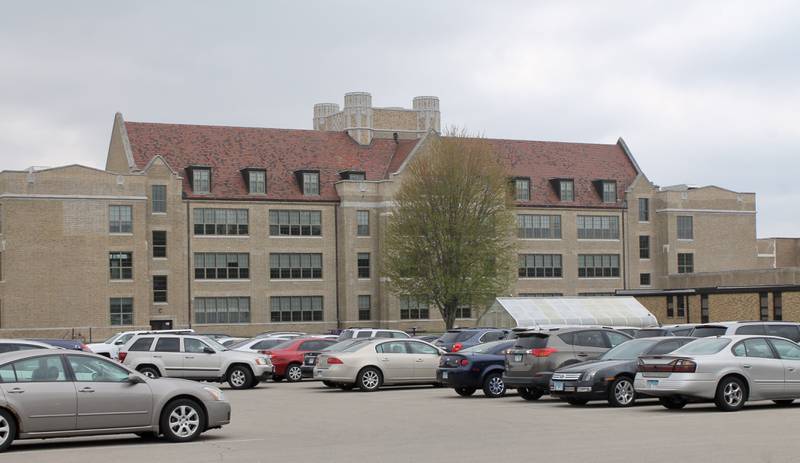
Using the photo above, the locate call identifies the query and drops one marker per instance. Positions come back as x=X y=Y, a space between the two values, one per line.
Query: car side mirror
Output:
x=119 y=343
x=208 y=350
x=133 y=378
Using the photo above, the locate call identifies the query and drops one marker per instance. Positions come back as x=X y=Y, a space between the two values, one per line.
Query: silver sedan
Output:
x=47 y=393
x=728 y=370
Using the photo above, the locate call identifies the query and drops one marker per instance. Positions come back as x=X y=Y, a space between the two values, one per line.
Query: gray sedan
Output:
x=728 y=370
x=46 y=393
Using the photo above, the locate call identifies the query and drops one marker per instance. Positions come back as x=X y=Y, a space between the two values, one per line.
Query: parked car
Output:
x=537 y=354
x=310 y=358
x=281 y=334
x=259 y=345
x=65 y=393
x=428 y=337
x=110 y=347
x=478 y=367
x=728 y=370
x=72 y=344
x=288 y=357
x=194 y=357
x=13 y=345
x=610 y=377
x=667 y=330
x=231 y=341
x=788 y=330
x=380 y=362
x=367 y=333
x=629 y=330
x=456 y=339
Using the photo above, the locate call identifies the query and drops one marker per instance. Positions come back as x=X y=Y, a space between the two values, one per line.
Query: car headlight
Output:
x=589 y=375
x=215 y=393
x=262 y=361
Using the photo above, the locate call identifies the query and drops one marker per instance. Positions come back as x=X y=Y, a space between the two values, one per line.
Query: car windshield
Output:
x=456 y=336
x=340 y=346
x=213 y=342
x=628 y=350
x=487 y=347
x=708 y=331
x=649 y=333
x=532 y=342
x=354 y=347
x=112 y=338
x=706 y=346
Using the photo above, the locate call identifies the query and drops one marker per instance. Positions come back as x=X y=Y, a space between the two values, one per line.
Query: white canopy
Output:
x=533 y=312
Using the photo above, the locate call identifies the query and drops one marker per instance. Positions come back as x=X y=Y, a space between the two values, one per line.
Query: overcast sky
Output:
x=702 y=92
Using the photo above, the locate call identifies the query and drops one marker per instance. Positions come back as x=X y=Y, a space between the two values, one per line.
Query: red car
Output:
x=287 y=358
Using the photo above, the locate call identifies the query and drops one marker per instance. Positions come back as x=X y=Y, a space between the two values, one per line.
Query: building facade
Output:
x=245 y=230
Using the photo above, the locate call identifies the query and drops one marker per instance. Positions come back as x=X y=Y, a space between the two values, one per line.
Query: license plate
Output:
x=444 y=375
x=558 y=386
x=517 y=357
x=318 y=373
x=652 y=383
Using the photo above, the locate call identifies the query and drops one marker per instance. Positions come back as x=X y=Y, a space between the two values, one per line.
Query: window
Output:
x=704 y=308
x=644 y=247
x=598 y=227
x=120 y=219
x=194 y=346
x=159 y=288
x=121 y=311
x=159 y=243
x=763 y=299
x=363 y=265
x=567 y=190
x=220 y=221
x=590 y=339
x=141 y=345
x=120 y=265
x=685 y=227
x=644 y=210
x=464 y=311
x=598 y=265
x=616 y=339
x=540 y=266
x=222 y=310
x=665 y=347
x=221 y=266
x=393 y=347
x=39 y=369
x=683 y=305
x=362 y=220
x=257 y=181
x=758 y=347
x=786 y=350
x=296 y=308
x=310 y=183
x=201 y=181
x=685 y=263
x=777 y=306
x=609 y=191
x=353 y=175
x=538 y=226
x=412 y=309
x=364 y=307
x=295 y=223
x=295 y=266
x=784 y=331
x=670 y=306
x=93 y=370
x=158 y=199
x=420 y=348
x=522 y=188
x=644 y=279
x=168 y=345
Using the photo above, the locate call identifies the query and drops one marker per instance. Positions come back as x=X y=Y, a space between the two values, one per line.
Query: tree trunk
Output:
x=449 y=314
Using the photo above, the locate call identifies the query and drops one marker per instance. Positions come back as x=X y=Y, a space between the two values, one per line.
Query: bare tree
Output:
x=449 y=240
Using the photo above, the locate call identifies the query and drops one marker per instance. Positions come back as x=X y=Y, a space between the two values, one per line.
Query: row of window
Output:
x=763 y=302
x=565 y=189
x=256 y=180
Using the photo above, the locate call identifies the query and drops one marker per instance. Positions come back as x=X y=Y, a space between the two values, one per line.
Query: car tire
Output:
x=150 y=372
x=529 y=393
x=465 y=391
x=294 y=373
x=369 y=379
x=493 y=386
x=240 y=377
x=8 y=429
x=621 y=393
x=731 y=394
x=576 y=402
x=672 y=403
x=182 y=420
x=783 y=403
x=329 y=384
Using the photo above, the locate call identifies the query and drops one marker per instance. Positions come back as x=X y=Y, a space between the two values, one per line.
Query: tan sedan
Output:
x=372 y=364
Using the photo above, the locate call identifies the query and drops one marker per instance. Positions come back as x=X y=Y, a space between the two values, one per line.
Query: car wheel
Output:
x=493 y=386
x=8 y=429
x=182 y=420
x=621 y=393
x=783 y=403
x=150 y=372
x=347 y=387
x=731 y=394
x=672 y=403
x=465 y=391
x=369 y=379
x=529 y=393
x=294 y=373
x=573 y=401
x=240 y=377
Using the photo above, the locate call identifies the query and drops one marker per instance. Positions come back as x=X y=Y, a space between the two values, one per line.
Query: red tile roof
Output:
x=282 y=152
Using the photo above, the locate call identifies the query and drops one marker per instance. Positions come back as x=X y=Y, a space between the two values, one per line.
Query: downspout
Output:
x=336 y=258
x=188 y=264
x=624 y=248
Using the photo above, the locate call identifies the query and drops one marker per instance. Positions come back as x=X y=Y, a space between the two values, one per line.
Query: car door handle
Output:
x=746 y=366
x=156 y=356
x=86 y=389
x=385 y=359
x=583 y=355
x=420 y=360
x=189 y=357
x=791 y=369
x=16 y=390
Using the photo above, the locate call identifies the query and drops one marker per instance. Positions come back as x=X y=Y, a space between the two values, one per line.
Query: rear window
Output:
x=681 y=332
x=346 y=334
x=532 y=342
x=751 y=329
x=703 y=347
x=707 y=331
x=266 y=344
x=141 y=344
x=784 y=331
x=456 y=336
x=649 y=333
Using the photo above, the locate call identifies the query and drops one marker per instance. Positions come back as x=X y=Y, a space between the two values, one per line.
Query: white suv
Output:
x=788 y=330
x=110 y=347
x=194 y=357
x=369 y=333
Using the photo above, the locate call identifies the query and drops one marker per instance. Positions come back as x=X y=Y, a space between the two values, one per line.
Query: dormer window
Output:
x=256 y=180
x=607 y=189
x=353 y=175
x=201 y=179
x=522 y=189
x=310 y=183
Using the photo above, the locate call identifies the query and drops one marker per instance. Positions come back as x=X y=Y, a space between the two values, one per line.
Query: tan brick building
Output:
x=243 y=230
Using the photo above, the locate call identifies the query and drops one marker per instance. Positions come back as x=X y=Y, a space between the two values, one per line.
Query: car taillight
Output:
x=457 y=347
x=335 y=361
x=463 y=362
x=684 y=366
x=543 y=351
x=675 y=366
x=122 y=356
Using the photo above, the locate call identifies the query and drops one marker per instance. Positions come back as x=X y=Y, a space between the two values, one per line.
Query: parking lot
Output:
x=307 y=422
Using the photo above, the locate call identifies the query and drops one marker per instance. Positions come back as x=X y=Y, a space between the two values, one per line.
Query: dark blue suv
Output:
x=461 y=338
x=475 y=367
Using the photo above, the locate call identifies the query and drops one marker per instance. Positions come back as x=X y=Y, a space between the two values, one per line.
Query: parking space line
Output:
x=92 y=444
